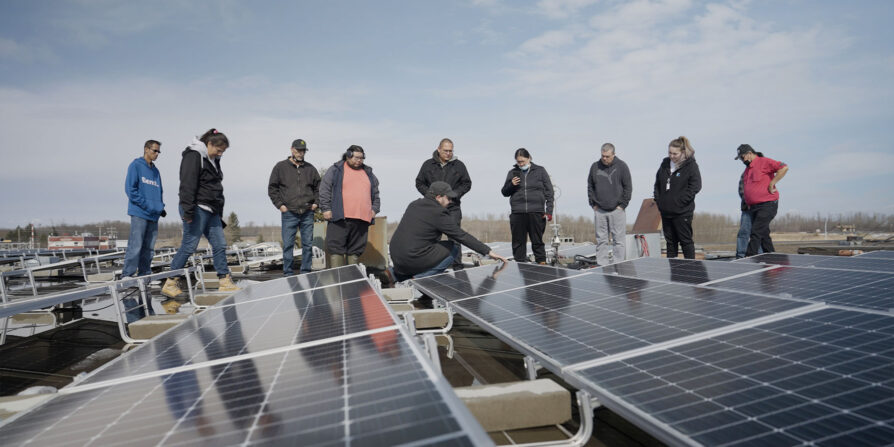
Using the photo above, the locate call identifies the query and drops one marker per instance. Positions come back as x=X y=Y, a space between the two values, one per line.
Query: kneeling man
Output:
x=416 y=246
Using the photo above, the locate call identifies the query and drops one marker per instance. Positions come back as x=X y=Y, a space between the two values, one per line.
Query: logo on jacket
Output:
x=149 y=182
x=678 y=174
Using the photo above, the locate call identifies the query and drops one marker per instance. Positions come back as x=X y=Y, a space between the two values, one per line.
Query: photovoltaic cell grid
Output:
x=880 y=254
x=590 y=316
x=296 y=283
x=860 y=263
x=483 y=280
x=867 y=290
x=825 y=377
x=258 y=325
x=679 y=270
x=365 y=391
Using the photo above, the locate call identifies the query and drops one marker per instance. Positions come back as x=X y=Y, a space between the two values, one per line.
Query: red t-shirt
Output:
x=757 y=178
x=356 y=194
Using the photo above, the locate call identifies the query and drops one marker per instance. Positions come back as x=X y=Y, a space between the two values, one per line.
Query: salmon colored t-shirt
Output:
x=356 y=194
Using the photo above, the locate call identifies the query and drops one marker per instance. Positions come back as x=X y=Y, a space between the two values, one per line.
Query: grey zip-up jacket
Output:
x=609 y=187
x=534 y=194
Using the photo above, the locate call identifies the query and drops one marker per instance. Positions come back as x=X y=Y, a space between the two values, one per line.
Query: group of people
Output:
x=347 y=195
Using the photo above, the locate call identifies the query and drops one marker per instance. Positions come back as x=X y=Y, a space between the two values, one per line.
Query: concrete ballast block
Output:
x=153 y=325
x=398 y=294
x=525 y=404
x=431 y=318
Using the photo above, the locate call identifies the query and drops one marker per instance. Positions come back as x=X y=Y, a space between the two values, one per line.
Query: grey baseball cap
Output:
x=441 y=189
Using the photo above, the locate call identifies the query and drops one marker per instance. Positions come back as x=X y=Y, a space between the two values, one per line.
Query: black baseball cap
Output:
x=742 y=150
x=441 y=189
x=299 y=144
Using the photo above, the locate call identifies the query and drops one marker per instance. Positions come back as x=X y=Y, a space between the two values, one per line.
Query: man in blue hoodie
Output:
x=145 y=205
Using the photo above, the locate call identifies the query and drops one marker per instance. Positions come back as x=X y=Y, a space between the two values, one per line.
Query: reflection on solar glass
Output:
x=869 y=290
x=880 y=254
x=591 y=316
x=860 y=263
x=259 y=325
x=588 y=250
x=369 y=390
x=294 y=284
x=679 y=270
x=488 y=279
x=823 y=377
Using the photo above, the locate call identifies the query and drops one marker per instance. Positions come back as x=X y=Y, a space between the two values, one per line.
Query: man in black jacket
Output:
x=294 y=189
x=444 y=167
x=416 y=246
x=609 y=189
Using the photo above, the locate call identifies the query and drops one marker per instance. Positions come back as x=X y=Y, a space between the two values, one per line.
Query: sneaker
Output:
x=227 y=285
x=171 y=288
x=171 y=306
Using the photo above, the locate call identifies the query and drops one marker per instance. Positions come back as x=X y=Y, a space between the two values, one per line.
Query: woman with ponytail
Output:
x=201 y=209
x=677 y=182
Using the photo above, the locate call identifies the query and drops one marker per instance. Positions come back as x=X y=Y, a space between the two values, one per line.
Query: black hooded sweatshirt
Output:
x=200 y=181
x=675 y=193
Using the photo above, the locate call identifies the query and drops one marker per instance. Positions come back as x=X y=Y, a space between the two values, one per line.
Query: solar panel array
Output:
x=298 y=361
x=880 y=254
x=728 y=363
x=860 y=263
x=679 y=270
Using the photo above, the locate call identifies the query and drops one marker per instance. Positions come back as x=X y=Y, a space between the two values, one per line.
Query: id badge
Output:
x=668 y=186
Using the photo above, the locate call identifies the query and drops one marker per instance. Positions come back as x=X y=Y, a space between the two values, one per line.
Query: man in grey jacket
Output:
x=609 y=189
x=294 y=189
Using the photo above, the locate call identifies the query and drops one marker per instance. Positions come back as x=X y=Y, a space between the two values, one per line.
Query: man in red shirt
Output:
x=761 y=196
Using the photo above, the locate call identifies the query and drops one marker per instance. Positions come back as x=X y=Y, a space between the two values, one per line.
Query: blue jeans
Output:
x=211 y=226
x=291 y=223
x=442 y=266
x=140 y=247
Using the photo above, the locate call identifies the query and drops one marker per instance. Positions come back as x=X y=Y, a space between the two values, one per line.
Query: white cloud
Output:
x=23 y=53
x=548 y=41
x=562 y=8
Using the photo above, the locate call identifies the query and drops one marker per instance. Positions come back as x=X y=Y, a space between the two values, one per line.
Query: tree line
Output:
x=707 y=227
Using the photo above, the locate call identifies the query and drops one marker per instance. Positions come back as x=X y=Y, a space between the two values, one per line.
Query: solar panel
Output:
x=367 y=390
x=263 y=324
x=679 y=270
x=880 y=254
x=297 y=283
x=580 y=318
x=588 y=250
x=833 y=262
x=462 y=284
x=868 y=290
x=824 y=377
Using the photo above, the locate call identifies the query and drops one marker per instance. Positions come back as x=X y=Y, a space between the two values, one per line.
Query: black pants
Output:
x=524 y=226
x=347 y=237
x=678 y=230
x=761 y=216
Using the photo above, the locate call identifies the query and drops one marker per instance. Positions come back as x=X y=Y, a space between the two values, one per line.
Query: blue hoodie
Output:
x=144 y=191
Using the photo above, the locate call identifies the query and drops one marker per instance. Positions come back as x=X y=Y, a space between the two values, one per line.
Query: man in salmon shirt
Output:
x=761 y=196
x=349 y=199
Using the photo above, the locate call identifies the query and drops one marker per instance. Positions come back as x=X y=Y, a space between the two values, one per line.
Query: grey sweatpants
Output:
x=610 y=224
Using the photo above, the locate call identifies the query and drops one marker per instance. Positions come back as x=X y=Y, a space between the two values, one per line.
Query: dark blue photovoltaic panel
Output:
x=868 y=290
x=488 y=279
x=825 y=377
x=296 y=283
x=679 y=270
x=366 y=391
x=591 y=316
x=257 y=325
x=861 y=263
x=880 y=254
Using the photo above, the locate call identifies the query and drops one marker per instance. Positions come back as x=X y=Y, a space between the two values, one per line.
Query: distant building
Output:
x=83 y=241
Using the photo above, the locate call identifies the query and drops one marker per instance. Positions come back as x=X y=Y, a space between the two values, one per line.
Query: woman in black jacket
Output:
x=201 y=209
x=677 y=182
x=530 y=193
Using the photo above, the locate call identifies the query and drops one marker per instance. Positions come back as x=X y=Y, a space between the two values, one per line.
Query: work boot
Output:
x=227 y=285
x=171 y=288
x=353 y=259
x=171 y=306
x=336 y=261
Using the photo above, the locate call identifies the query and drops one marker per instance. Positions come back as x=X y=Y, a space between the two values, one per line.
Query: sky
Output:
x=84 y=83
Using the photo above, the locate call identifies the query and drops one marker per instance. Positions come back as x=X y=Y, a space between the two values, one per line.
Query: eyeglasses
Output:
x=362 y=157
x=157 y=151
